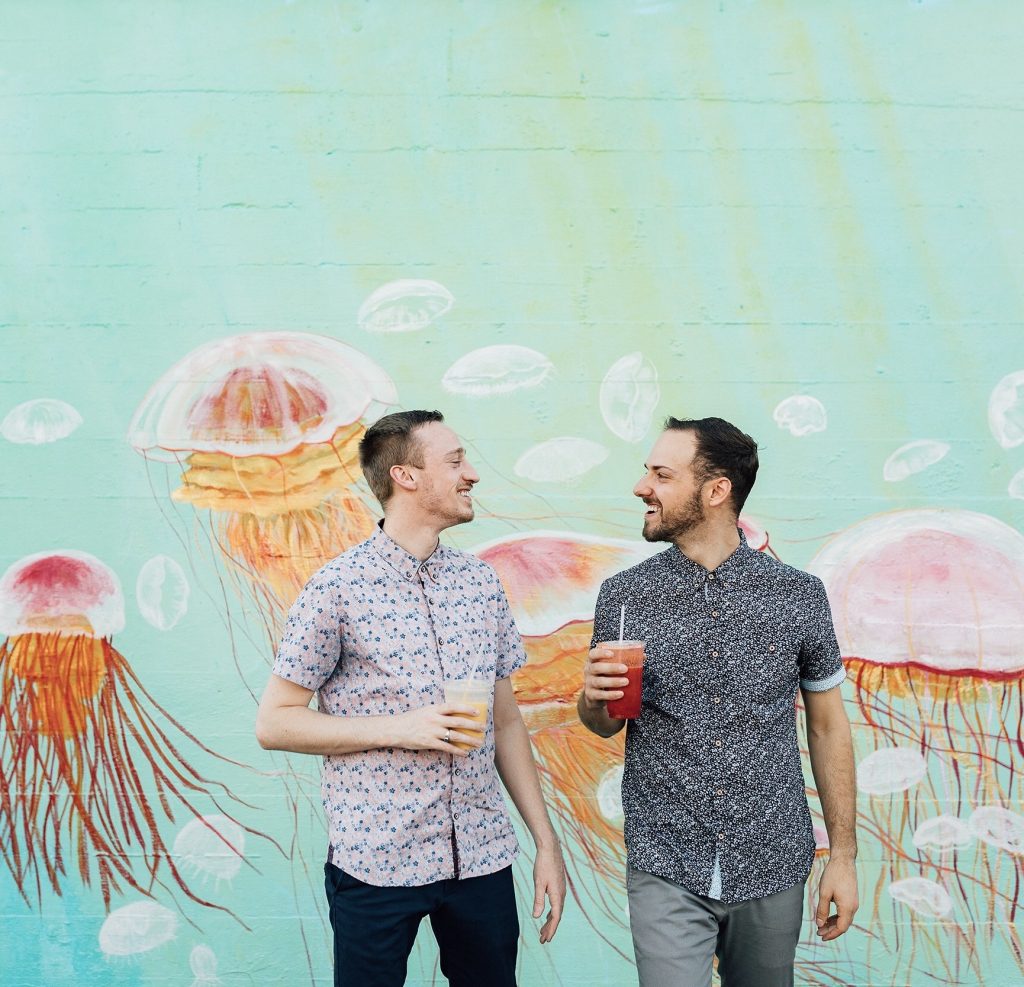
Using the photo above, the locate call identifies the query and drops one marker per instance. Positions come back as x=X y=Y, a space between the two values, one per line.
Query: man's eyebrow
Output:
x=655 y=469
x=455 y=452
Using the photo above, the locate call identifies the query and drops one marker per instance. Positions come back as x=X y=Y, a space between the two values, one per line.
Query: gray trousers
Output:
x=676 y=935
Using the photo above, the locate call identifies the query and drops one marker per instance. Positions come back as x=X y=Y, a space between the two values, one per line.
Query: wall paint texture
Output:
x=557 y=222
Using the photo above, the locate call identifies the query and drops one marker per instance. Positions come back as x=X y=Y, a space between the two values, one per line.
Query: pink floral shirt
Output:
x=377 y=632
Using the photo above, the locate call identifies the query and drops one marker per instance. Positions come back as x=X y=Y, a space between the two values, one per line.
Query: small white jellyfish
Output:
x=891 y=769
x=913 y=458
x=1016 y=487
x=161 y=592
x=922 y=896
x=801 y=415
x=137 y=928
x=39 y=421
x=629 y=394
x=203 y=963
x=1006 y=410
x=560 y=460
x=942 y=833
x=609 y=794
x=999 y=827
x=211 y=845
x=496 y=370
x=404 y=306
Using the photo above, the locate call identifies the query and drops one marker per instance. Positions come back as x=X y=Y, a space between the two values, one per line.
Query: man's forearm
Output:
x=308 y=731
x=596 y=719
x=513 y=758
x=832 y=765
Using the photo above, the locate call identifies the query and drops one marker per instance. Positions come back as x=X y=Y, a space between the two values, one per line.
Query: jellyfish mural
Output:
x=89 y=761
x=552 y=579
x=267 y=428
x=929 y=612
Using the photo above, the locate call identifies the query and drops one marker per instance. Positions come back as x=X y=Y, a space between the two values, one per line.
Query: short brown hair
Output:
x=722 y=450
x=390 y=442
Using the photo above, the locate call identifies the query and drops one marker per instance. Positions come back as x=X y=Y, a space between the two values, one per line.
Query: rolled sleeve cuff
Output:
x=823 y=685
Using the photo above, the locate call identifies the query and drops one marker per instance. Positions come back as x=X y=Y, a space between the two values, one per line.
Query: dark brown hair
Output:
x=722 y=450
x=391 y=442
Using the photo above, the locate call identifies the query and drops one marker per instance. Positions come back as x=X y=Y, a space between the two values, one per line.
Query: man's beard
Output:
x=671 y=526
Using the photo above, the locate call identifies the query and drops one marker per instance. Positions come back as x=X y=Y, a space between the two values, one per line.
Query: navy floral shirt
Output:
x=713 y=789
x=378 y=632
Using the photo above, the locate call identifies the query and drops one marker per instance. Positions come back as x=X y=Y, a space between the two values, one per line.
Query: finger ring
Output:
x=447 y=736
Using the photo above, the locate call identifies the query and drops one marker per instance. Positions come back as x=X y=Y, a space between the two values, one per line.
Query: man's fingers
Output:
x=821 y=915
x=538 y=901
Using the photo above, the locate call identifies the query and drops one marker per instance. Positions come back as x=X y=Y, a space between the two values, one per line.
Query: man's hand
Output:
x=549 y=879
x=839 y=885
x=437 y=728
x=603 y=679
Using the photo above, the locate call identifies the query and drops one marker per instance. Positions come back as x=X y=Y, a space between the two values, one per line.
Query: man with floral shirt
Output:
x=418 y=825
x=718 y=833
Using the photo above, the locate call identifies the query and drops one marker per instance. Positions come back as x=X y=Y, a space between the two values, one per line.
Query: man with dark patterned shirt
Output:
x=718 y=831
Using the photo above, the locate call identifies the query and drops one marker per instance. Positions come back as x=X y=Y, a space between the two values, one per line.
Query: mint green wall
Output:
x=765 y=198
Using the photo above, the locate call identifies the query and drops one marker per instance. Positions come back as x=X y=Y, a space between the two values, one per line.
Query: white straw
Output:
x=622 y=623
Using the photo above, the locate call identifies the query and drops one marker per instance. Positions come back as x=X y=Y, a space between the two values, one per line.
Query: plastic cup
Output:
x=470 y=692
x=630 y=654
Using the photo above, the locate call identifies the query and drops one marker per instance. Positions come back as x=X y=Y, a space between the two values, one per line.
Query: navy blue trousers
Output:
x=474 y=921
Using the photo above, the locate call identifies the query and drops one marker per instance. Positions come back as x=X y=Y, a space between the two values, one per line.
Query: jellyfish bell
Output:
x=933 y=595
x=268 y=426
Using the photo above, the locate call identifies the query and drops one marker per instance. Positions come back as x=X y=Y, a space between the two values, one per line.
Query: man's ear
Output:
x=720 y=491
x=402 y=477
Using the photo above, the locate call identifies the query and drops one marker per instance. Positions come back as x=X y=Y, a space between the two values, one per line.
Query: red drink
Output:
x=630 y=654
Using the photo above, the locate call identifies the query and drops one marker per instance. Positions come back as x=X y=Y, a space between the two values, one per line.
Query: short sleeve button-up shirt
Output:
x=377 y=632
x=713 y=788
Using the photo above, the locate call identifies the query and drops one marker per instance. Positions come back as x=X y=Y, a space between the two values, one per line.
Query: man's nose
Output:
x=642 y=488
x=469 y=474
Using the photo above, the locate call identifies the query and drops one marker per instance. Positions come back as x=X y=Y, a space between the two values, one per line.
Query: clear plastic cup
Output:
x=630 y=654
x=470 y=692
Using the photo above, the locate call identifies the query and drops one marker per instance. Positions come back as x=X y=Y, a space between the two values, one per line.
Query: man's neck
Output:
x=417 y=535
x=710 y=544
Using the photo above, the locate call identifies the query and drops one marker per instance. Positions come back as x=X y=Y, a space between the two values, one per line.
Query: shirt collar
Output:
x=738 y=562
x=406 y=565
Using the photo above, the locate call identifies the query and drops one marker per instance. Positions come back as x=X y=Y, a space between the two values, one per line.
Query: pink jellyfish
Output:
x=89 y=761
x=929 y=612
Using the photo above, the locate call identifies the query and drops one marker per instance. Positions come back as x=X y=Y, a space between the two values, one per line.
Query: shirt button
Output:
x=718 y=743
x=456 y=815
x=714 y=613
x=721 y=836
x=714 y=654
x=771 y=647
x=718 y=791
x=716 y=699
x=711 y=575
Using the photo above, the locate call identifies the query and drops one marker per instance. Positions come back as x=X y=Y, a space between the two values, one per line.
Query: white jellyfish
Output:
x=1006 y=410
x=560 y=460
x=913 y=458
x=404 y=306
x=889 y=770
x=137 y=928
x=39 y=421
x=161 y=592
x=629 y=394
x=922 y=896
x=203 y=963
x=496 y=370
x=999 y=827
x=211 y=845
x=609 y=794
x=942 y=833
x=801 y=415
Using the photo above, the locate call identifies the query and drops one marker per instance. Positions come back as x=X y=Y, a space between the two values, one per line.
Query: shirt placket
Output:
x=714 y=604
x=456 y=806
